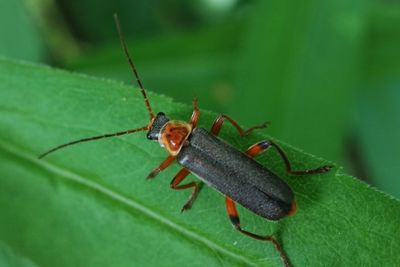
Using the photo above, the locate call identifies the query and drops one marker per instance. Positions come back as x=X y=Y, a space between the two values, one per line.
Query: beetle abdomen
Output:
x=236 y=175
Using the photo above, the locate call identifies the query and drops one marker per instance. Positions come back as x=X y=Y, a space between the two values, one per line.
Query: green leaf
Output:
x=90 y=205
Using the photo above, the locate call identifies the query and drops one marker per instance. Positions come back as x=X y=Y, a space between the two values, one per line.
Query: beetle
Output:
x=233 y=173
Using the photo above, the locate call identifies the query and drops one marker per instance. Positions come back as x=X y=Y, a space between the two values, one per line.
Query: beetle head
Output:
x=159 y=121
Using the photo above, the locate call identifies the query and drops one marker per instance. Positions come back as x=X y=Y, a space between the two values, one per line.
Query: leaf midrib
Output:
x=69 y=175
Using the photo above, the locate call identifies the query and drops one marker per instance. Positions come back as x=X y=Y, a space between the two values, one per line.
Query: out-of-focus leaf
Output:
x=377 y=123
x=17 y=30
x=377 y=127
x=198 y=63
x=300 y=68
x=142 y=18
x=382 y=61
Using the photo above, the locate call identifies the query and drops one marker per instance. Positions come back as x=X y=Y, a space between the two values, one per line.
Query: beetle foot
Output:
x=261 y=126
x=152 y=174
x=187 y=206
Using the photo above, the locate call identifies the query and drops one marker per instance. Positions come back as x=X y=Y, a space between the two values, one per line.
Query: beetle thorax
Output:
x=173 y=135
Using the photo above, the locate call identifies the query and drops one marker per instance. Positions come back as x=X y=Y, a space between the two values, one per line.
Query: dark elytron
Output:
x=236 y=175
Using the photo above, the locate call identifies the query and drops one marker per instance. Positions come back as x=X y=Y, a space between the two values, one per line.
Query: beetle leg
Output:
x=165 y=164
x=216 y=127
x=266 y=144
x=179 y=177
x=195 y=114
x=234 y=217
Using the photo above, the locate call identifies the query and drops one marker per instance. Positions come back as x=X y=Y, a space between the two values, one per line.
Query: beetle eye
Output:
x=148 y=136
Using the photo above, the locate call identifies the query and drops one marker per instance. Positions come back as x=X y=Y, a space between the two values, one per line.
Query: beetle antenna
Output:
x=133 y=68
x=93 y=138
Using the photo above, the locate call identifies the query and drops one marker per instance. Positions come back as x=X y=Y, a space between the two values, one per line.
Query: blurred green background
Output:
x=325 y=73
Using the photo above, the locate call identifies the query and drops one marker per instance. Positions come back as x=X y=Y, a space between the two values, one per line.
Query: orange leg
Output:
x=179 y=177
x=234 y=217
x=266 y=144
x=216 y=127
x=195 y=114
x=165 y=164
